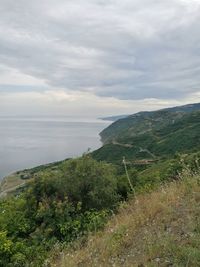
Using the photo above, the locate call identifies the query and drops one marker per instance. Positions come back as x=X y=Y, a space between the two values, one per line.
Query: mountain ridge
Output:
x=163 y=133
x=130 y=120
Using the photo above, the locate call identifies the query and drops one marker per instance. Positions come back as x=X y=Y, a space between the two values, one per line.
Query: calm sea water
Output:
x=28 y=142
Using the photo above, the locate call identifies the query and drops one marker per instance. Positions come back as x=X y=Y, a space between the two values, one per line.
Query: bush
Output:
x=56 y=206
x=91 y=183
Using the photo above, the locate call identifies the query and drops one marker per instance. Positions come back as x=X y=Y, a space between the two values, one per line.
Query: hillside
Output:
x=75 y=198
x=144 y=122
x=152 y=135
x=185 y=108
x=156 y=229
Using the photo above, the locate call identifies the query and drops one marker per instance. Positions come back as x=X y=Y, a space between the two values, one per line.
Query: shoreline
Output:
x=17 y=180
x=66 y=145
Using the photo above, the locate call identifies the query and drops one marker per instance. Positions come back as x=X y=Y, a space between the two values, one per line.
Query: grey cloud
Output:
x=127 y=49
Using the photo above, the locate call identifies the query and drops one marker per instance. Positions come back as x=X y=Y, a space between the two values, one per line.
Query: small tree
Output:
x=91 y=183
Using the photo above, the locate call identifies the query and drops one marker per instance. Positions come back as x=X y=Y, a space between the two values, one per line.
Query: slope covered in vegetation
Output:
x=64 y=205
x=145 y=122
x=151 y=135
x=55 y=207
x=161 y=228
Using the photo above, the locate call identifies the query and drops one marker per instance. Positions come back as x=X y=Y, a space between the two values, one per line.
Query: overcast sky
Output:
x=98 y=57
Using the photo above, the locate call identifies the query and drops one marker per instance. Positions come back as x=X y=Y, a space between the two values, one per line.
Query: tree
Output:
x=91 y=183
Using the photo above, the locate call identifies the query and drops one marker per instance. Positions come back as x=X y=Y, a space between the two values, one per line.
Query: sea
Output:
x=27 y=142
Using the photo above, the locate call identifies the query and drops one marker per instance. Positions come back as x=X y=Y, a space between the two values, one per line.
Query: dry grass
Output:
x=161 y=228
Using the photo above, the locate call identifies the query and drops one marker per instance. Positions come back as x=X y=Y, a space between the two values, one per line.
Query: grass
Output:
x=161 y=228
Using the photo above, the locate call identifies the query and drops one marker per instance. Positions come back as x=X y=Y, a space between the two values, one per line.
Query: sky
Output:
x=98 y=57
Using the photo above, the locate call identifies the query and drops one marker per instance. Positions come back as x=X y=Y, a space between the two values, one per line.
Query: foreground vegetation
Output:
x=56 y=208
x=161 y=228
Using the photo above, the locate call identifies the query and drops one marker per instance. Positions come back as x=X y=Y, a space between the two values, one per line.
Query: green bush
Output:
x=56 y=207
x=91 y=183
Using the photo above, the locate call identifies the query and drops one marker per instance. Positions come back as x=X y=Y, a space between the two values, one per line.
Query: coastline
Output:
x=49 y=141
x=17 y=180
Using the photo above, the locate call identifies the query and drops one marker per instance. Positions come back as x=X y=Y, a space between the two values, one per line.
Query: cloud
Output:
x=127 y=50
x=79 y=104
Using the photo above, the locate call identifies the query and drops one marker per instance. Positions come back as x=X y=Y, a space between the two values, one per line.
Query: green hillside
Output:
x=145 y=122
x=158 y=229
x=151 y=135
